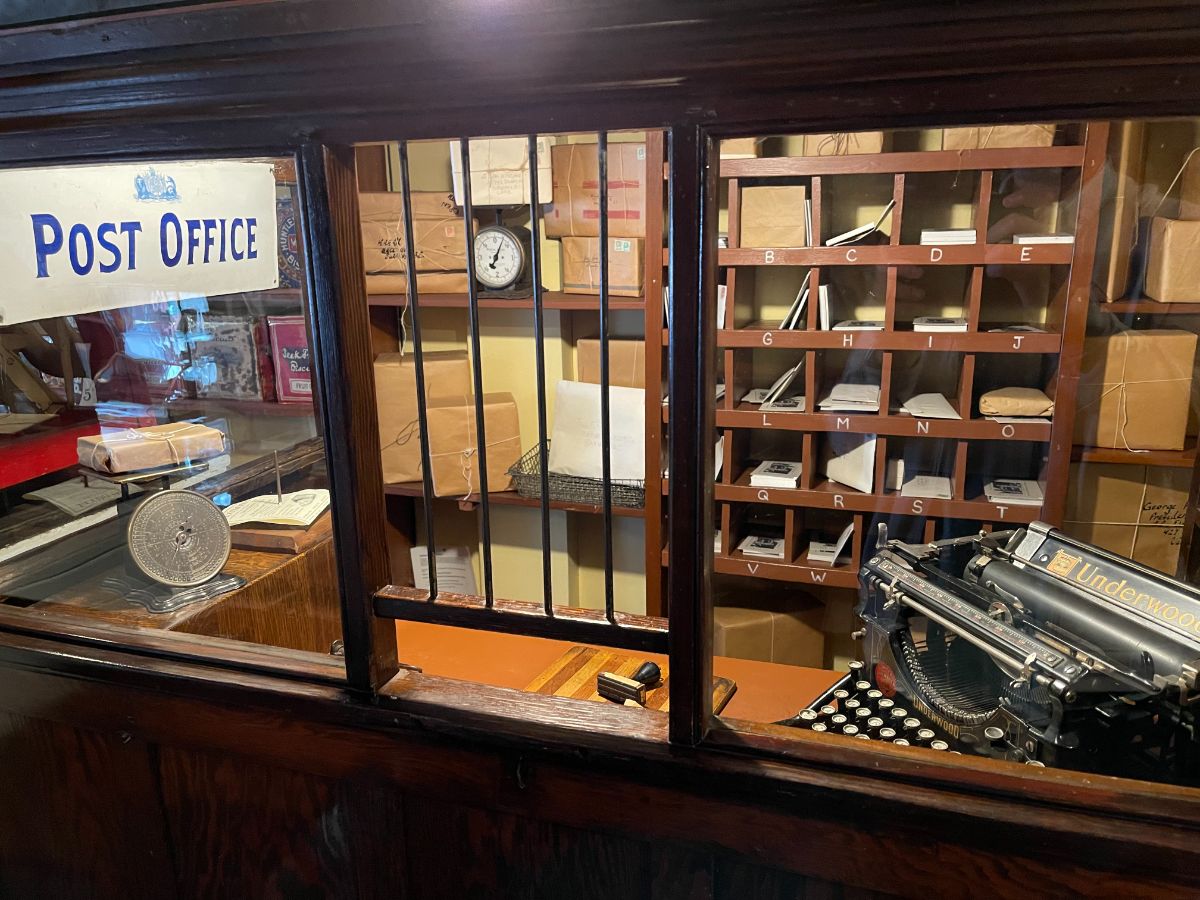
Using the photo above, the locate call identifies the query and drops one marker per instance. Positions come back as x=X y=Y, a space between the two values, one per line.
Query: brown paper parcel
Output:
x=1134 y=390
x=447 y=376
x=1016 y=401
x=152 y=447
x=575 y=211
x=994 y=137
x=581 y=266
x=773 y=216
x=788 y=633
x=1173 y=270
x=427 y=283
x=843 y=143
x=1134 y=511
x=453 y=444
x=438 y=232
x=626 y=362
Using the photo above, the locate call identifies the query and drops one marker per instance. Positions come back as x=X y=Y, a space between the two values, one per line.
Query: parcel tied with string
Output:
x=153 y=447
x=454 y=453
x=447 y=376
x=1134 y=390
x=439 y=239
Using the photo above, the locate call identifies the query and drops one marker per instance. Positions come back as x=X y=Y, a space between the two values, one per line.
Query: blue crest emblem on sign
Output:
x=153 y=185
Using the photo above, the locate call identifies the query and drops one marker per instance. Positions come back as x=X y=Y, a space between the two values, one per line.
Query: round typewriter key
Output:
x=851 y=704
x=862 y=685
x=926 y=734
x=993 y=733
x=828 y=710
x=886 y=734
x=839 y=719
x=862 y=713
x=911 y=723
x=850 y=730
x=874 y=722
x=938 y=745
x=1035 y=762
x=856 y=667
x=863 y=737
x=898 y=715
x=885 y=704
x=808 y=716
x=820 y=726
x=841 y=694
x=901 y=741
x=874 y=694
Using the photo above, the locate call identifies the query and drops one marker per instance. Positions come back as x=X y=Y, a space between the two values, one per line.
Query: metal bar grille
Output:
x=414 y=303
x=489 y=612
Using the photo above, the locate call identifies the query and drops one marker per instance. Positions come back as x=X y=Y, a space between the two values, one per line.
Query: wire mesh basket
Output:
x=527 y=475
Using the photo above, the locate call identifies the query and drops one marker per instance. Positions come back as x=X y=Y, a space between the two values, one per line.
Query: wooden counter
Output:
x=766 y=692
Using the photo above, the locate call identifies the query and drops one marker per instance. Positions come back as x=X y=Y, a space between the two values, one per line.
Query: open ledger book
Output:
x=298 y=509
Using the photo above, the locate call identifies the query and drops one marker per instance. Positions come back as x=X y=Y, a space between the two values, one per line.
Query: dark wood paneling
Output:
x=735 y=879
x=239 y=829
x=79 y=814
x=678 y=872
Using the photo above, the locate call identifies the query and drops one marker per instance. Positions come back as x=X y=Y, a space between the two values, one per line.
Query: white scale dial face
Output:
x=499 y=259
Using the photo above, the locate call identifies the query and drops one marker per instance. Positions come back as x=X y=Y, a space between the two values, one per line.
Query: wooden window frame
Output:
x=116 y=118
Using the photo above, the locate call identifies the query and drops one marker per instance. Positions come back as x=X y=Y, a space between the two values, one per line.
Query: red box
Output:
x=290 y=354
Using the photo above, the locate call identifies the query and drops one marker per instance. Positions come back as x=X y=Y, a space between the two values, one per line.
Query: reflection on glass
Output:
x=160 y=464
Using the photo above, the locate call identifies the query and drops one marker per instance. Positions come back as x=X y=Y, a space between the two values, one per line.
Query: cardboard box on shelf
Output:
x=626 y=362
x=1173 y=270
x=1134 y=390
x=453 y=444
x=500 y=171
x=447 y=376
x=427 y=283
x=581 y=266
x=773 y=216
x=135 y=449
x=575 y=210
x=843 y=143
x=438 y=232
x=1134 y=511
x=740 y=148
x=786 y=632
x=994 y=137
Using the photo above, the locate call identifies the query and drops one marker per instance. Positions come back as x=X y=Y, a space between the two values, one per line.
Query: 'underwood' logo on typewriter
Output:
x=1062 y=564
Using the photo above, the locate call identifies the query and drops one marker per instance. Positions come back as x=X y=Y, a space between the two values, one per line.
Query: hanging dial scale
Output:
x=502 y=260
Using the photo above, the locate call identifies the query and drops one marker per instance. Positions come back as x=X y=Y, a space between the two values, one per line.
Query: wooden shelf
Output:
x=1176 y=459
x=738 y=563
x=747 y=415
x=758 y=335
x=902 y=255
x=512 y=498
x=550 y=300
x=893 y=163
x=1150 y=308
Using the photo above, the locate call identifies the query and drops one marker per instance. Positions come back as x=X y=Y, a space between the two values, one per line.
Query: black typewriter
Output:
x=1024 y=645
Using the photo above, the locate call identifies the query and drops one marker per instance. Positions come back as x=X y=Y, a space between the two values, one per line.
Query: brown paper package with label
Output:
x=447 y=376
x=438 y=232
x=996 y=137
x=575 y=211
x=581 y=266
x=152 y=447
x=453 y=444
x=626 y=362
x=773 y=216
x=1135 y=389
x=1133 y=511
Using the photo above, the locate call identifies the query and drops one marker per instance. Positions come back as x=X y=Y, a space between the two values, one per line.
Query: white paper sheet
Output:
x=851 y=460
x=299 y=508
x=935 y=487
x=455 y=573
x=824 y=552
x=930 y=406
x=575 y=438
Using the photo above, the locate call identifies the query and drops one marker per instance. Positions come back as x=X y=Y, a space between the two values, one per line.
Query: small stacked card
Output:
x=775 y=473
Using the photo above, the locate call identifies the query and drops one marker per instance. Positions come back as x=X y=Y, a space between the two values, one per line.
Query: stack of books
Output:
x=1014 y=491
x=947 y=235
x=938 y=323
x=763 y=546
x=776 y=473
